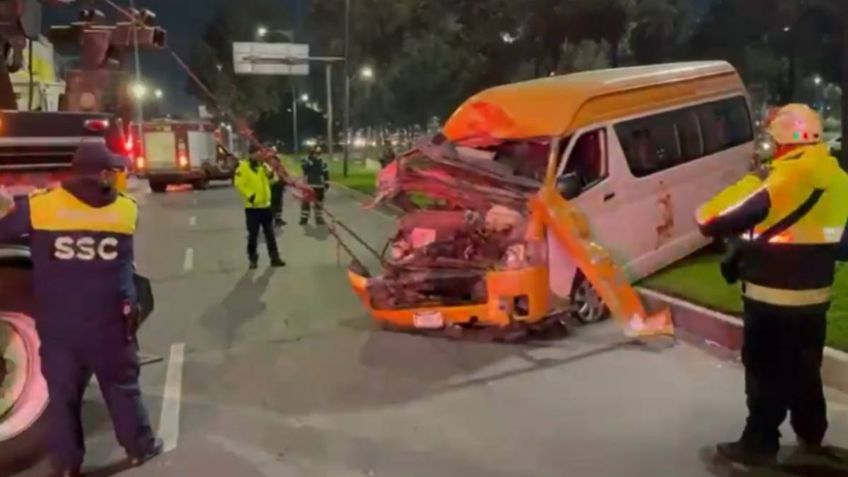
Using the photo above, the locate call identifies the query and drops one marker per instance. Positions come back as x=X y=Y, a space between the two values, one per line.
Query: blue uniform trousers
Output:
x=68 y=363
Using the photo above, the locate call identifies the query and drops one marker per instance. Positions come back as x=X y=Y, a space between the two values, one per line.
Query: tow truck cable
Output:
x=306 y=192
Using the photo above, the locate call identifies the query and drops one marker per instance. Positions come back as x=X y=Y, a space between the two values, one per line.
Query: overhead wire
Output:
x=306 y=192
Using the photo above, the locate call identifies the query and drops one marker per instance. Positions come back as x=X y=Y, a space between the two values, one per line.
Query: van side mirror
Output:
x=569 y=185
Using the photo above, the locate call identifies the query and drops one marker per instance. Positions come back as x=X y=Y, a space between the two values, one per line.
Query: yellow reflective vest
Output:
x=805 y=188
x=254 y=184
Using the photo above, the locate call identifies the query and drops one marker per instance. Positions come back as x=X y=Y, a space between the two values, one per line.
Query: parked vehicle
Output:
x=526 y=177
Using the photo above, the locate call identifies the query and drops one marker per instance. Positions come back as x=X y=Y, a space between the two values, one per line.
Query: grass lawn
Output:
x=698 y=279
x=361 y=176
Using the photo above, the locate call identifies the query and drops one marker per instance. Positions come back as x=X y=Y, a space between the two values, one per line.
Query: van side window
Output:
x=650 y=144
x=691 y=142
x=725 y=124
x=665 y=140
x=588 y=157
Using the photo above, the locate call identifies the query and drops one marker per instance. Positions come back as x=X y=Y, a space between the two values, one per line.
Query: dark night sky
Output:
x=184 y=20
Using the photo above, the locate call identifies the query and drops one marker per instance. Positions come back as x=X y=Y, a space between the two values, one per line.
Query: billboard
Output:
x=286 y=59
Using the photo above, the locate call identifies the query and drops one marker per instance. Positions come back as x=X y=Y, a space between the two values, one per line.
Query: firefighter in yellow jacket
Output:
x=789 y=227
x=253 y=179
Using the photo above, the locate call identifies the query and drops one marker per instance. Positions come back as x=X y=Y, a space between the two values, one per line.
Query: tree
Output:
x=211 y=59
x=600 y=21
x=658 y=29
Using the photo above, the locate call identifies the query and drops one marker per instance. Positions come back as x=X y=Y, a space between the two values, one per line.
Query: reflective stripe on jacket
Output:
x=254 y=184
x=807 y=183
x=82 y=259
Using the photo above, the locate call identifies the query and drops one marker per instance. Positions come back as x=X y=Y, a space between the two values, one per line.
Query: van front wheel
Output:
x=586 y=304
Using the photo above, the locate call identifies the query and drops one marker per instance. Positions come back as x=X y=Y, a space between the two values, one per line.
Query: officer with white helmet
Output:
x=790 y=227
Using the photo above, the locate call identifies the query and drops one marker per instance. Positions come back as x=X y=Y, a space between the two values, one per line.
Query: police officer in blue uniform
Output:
x=81 y=237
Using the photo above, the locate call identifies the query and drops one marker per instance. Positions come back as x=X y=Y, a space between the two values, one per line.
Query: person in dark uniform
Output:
x=253 y=179
x=790 y=228
x=81 y=238
x=318 y=178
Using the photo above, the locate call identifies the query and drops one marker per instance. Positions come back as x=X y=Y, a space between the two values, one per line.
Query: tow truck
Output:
x=36 y=149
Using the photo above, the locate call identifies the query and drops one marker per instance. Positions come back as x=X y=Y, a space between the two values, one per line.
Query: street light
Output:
x=366 y=73
x=817 y=80
x=139 y=91
x=158 y=93
x=262 y=31
x=304 y=98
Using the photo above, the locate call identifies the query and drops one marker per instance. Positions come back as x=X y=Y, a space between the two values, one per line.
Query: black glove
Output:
x=730 y=263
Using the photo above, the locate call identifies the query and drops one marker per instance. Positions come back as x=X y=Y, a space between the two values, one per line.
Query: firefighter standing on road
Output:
x=792 y=225
x=318 y=177
x=253 y=179
x=86 y=311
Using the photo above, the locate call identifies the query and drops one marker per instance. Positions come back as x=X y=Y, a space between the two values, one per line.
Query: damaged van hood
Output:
x=462 y=177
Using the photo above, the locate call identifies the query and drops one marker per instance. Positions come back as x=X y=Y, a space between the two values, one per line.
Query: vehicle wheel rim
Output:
x=23 y=391
x=588 y=305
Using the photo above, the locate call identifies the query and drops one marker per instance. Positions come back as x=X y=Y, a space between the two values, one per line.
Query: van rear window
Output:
x=661 y=141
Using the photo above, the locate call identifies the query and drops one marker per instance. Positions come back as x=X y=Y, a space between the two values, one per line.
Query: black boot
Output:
x=277 y=262
x=156 y=449
x=254 y=264
x=742 y=453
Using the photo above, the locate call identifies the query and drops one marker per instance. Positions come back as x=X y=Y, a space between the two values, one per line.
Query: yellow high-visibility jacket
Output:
x=795 y=267
x=254 y=184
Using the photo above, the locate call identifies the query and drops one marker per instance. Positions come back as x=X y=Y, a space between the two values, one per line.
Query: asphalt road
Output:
x=280 y=373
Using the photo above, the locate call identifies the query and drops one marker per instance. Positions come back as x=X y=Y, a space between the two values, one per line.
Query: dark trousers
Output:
x=306 y=207
x=67 y=365
x=277 y=193
x=782 y=353
x=260 y=219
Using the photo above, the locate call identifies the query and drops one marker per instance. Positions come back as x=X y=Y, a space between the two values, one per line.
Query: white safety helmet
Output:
x=796 y=124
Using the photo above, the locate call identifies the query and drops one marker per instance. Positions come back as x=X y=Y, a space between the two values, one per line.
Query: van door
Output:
x=621 y=211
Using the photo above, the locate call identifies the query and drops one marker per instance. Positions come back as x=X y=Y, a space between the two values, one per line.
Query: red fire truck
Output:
x=180 y=152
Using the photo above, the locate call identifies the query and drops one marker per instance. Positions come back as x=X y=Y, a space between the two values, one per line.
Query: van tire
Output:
x=587 y=307
x=25 y=449
x=158 y=187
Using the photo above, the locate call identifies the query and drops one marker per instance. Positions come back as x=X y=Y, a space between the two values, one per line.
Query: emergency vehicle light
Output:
x=183 y=161
x=96 y=125
x=140 y=162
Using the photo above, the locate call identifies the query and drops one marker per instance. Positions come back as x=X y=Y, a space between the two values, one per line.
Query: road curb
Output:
x=720 y=329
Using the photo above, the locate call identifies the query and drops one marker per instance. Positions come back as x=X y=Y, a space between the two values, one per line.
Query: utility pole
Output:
x=844 y=152
x=330 y=110
x=139 y=112
x=346 y=135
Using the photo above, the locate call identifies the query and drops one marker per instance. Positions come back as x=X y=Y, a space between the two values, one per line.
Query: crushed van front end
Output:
x=466 y=252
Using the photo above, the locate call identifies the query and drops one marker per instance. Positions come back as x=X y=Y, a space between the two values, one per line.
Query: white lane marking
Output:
x=192 y=221
x=169 y=419
x=188 y=261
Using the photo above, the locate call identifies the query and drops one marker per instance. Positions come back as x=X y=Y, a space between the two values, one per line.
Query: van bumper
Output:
x=513 y=296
